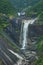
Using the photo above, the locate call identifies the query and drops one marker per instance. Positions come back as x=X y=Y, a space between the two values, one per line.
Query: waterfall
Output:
x=25 y=31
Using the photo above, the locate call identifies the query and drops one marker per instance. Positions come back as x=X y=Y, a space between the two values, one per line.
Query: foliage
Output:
x=40 y=44
x=36 y=9
x=22 y=4
x=39 y=47
x=6 y=7
x=3 y=21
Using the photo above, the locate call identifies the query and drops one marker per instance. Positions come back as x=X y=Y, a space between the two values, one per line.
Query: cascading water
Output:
x=25 y=31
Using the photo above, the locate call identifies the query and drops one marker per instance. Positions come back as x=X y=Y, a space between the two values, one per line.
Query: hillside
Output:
x=6 y=11
x=40 y=52
x=21 y=36
x=21 y=4
x=40 y=19
x=36 y=9
x=6 y=7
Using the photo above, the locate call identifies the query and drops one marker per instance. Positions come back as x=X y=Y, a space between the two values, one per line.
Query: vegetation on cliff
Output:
x=6 y=7
x=36 y=9
x=39 y=47
x=6 y=10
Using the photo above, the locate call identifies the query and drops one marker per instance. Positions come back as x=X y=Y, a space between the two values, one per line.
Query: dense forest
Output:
x=32 y=8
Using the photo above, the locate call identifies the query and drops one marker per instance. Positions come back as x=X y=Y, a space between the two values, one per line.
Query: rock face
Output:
x=14 y=29
x=34 y=32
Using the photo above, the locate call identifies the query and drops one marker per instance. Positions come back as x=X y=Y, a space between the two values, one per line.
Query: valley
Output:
x=21 y=32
